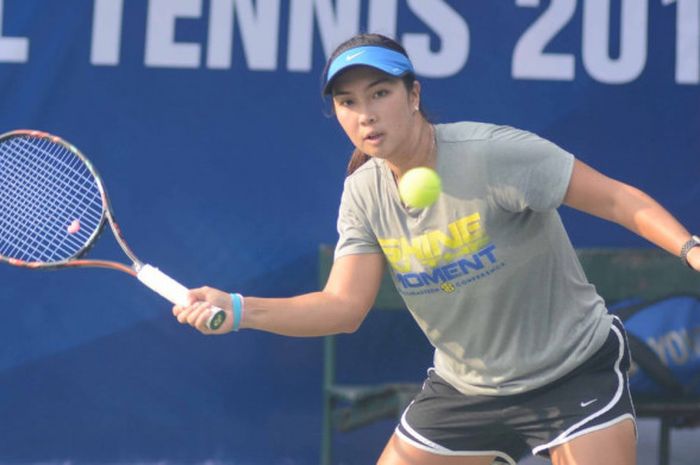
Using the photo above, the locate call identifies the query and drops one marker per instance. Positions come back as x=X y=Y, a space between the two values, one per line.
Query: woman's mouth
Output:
x=374 y=137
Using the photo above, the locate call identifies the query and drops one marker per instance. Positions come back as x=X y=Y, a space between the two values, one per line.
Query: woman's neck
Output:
x=424 y=154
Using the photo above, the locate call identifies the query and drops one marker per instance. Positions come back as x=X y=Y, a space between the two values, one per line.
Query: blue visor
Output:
x=383 y=59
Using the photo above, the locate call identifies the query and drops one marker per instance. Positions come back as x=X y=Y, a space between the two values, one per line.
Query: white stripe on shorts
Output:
x=423 y=443
x=567 y=435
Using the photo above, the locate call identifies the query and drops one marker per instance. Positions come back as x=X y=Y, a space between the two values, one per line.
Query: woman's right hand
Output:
x=198 y=311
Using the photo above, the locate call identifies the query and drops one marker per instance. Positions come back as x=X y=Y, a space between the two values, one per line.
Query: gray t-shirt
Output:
x=488 y=271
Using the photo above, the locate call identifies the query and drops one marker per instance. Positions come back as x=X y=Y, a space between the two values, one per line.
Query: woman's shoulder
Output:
x=464 y=131
x=368 y=173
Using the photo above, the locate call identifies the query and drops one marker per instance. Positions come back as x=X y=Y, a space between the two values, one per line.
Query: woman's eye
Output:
x=381 y=93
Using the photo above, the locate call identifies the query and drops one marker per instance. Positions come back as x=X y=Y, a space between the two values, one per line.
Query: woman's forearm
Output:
x=313 y=314
x=615 y=201
x=638 y=212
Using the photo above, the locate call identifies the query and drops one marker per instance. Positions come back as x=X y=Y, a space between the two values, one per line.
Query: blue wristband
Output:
x=237 y=301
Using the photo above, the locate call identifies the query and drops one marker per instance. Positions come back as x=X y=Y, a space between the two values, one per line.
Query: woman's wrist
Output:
x=238 y=308
x=693 y=258
x=689 y=252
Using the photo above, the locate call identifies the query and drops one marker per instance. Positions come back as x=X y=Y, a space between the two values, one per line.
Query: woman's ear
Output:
x=414 y=96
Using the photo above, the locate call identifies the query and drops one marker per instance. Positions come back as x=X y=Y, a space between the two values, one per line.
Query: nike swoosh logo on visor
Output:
x=354 y=55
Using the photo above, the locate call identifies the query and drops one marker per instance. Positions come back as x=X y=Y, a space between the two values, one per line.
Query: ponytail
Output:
x=357 y=159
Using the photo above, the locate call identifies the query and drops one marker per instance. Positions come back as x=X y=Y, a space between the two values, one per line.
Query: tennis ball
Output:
x=420 y=187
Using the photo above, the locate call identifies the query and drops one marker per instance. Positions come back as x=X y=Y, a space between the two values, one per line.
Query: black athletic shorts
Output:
x=593 y=396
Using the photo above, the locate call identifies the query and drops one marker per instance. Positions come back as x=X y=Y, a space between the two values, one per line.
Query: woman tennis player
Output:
x=527 y=358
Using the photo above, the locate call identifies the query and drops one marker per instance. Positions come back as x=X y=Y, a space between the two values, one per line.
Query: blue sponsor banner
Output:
x=224 y=167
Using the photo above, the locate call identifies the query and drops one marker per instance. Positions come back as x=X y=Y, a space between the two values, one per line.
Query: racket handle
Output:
x=175 y=292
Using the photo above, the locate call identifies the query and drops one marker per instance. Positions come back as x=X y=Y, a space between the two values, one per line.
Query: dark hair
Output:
x=359 y=158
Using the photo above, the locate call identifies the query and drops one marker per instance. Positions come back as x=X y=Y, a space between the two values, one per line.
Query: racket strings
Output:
x=44 y=189
x=78 y=192
x=25 y=206
x=26 y=212
x=38 y=201
x=45 y=186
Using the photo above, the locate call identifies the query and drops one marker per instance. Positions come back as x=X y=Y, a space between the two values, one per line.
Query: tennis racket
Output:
x=53 y=208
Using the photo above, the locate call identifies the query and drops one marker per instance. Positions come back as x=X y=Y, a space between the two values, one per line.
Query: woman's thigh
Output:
x=614 y=445
x=399 y=452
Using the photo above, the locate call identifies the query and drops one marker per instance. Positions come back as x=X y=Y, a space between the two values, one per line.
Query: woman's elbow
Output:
x=351 y=325
x=353 y=320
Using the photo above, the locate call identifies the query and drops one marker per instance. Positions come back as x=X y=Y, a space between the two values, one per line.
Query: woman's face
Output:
x=376 y=111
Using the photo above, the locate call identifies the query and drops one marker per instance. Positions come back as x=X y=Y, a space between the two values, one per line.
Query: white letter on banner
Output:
x=676 y=343
x=259 y=33
x=161 y=48
x=382 y=17
x=333 y=28
x=529 y=58
x=12 y=49
x=687 y=40
x=633 y=41
x=106 y=32
x=451 y=29
x=658 y=347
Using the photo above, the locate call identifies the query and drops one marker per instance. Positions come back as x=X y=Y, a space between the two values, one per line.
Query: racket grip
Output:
x=175 y=292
